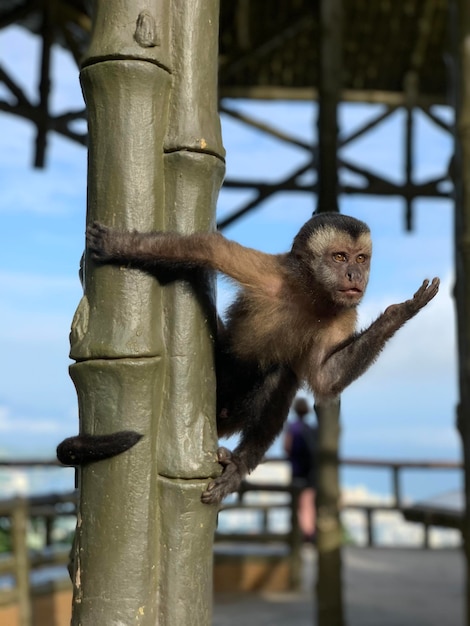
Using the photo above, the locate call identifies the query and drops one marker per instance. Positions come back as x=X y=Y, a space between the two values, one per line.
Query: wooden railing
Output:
x=20 y=562
x=20 y=511
x=291 y=538
x=396 y=469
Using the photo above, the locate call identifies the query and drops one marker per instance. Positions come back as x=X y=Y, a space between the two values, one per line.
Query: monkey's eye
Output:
x=339 y=257
x=361 y=258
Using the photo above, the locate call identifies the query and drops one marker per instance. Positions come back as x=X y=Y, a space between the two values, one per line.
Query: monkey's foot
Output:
x=83 y=449
x=230 y=479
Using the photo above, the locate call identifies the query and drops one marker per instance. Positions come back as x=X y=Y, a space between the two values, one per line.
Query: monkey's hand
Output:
x=108 y=245
x=349 y=360
x=229 y=481
x=105 y=243
x=410 y=308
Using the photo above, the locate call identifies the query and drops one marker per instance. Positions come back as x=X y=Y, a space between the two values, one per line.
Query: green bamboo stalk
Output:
x=143 y=550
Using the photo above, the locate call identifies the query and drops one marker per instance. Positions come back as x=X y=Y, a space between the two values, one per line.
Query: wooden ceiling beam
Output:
x=364 y=96
x=424 y=28
x=232 y=66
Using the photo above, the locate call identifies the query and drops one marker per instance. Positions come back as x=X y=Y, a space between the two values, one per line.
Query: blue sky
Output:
x=403 y=407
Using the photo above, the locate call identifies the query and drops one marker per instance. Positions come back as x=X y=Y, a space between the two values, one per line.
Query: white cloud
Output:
x=57 y=190
x=36 y=311
x=13 y=482
x=10 y=423
x=36 y=308
x=31 y=284
x=426 y=344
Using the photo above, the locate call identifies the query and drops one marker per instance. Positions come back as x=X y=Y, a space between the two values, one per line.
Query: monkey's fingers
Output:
x=224 y=456
x=426 y=292
x=228 y=482
x=96 y=231
x=96 y=238
x=434 y=287
x=219 y=488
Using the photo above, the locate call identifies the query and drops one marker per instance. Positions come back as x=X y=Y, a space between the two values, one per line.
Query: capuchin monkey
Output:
x=293 y=322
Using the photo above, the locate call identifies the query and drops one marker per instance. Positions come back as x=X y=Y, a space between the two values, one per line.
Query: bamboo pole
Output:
x=194 y=168
x=143 y=549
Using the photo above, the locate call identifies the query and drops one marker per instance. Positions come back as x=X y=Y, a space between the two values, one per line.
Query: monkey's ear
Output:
x=295 y=253
x=82 y=449
x=301 y=256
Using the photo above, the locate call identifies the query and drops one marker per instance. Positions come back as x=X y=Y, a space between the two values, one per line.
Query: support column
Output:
x=410 y=88
x=461 y=170
x=143 y=348
x=329 y=96
x=329 y=535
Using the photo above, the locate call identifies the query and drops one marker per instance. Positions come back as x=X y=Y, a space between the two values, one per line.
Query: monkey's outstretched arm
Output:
x=249 y=267
x=350 y=359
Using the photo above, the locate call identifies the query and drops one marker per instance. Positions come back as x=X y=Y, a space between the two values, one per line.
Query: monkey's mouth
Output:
x=352 y=291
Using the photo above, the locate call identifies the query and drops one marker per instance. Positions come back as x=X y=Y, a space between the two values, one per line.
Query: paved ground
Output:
x=383 y=587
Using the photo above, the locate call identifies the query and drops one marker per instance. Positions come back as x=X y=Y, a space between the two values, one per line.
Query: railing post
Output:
x=370 y=530
x=49 y=524
x=396 y=485
x=296 y=541
x=426 y=535
x=19 y=520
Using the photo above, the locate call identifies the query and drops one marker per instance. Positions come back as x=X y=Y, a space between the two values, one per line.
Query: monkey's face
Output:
x=346 y=273
x=340 y=265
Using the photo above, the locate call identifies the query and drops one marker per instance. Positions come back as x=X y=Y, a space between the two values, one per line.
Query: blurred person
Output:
x=300 y=443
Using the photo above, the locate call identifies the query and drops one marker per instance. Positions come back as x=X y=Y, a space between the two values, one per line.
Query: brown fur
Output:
x=292 y=322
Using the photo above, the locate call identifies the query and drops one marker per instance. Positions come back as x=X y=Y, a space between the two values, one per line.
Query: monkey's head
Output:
x=332 y=253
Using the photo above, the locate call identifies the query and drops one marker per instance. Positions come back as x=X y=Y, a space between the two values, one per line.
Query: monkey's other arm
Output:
x=351 y=358
x=259 y=414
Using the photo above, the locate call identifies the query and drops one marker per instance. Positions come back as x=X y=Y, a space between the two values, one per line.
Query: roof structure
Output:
x=273 y=53
x=393 y=53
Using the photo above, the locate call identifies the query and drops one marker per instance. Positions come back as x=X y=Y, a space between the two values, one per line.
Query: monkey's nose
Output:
x=354 y=275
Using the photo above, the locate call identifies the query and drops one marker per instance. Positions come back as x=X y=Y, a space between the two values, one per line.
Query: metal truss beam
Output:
x=372 y=182
x=65 y=22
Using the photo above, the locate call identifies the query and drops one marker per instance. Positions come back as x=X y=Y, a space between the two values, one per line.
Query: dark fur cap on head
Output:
x=336 y=221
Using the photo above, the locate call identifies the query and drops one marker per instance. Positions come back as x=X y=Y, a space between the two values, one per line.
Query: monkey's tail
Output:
x=83 y=449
